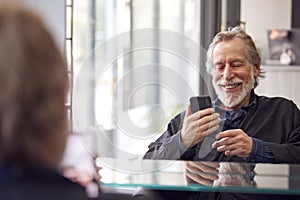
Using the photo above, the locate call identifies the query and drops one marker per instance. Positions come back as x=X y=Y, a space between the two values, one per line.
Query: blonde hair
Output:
x=33 y=82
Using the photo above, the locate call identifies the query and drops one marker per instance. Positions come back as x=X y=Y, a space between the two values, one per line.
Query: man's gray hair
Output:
x=251 y=50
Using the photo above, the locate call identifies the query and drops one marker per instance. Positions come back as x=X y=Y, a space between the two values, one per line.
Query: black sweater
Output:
x=275 y=121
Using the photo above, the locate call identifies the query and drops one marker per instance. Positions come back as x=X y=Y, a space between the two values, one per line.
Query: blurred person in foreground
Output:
x=33 y=116
x=241 y=126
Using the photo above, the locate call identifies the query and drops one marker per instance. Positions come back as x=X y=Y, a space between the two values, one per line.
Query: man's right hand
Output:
x=204 y=173
x=198 y=125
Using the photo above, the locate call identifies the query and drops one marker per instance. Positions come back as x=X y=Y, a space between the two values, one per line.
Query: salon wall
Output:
x=261 y=15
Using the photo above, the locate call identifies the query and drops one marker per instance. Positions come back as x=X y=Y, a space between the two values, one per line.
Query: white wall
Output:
x=53 y=12
x=261 y=15
x=281 y=81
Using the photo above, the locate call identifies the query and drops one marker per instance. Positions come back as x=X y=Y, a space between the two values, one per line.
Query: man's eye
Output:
x=220 y=66
x=238 y=64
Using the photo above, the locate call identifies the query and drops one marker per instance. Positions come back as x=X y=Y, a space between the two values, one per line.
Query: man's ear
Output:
x=256 y=70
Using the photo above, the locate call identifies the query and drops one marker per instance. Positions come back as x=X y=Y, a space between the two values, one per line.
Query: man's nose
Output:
x=228 y=72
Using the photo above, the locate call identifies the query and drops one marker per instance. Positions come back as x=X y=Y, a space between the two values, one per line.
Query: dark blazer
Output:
x=276 y=121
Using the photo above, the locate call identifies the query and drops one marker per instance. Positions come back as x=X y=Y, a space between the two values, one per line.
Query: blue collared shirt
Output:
x=261 y=152
x=232 y=119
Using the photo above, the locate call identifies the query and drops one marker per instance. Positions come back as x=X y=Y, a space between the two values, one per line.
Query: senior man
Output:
x=241 y=126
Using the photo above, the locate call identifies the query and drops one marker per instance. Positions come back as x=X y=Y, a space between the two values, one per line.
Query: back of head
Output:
x=33 y=84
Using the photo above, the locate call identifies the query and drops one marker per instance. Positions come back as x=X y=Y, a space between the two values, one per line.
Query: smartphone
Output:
x=200 y=103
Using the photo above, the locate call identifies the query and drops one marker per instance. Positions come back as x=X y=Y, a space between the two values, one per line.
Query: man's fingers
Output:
x=188 y=111
x=219 y=143
x=228 y=133
x=237 y=145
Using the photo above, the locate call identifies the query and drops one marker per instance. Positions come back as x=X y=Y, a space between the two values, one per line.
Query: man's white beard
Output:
x=232 y=99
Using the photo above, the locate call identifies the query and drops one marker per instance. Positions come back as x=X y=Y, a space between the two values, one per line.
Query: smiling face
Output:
x=233 y=75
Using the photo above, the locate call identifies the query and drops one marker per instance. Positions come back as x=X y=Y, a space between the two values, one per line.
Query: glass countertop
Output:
x=201 y=176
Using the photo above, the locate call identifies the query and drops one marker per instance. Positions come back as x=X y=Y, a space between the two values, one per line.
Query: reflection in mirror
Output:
x=128 y=69
x=223 y=174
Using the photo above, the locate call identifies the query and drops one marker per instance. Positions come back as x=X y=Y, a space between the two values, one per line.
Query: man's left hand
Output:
x=234 y=143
